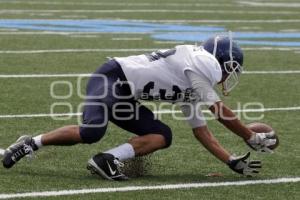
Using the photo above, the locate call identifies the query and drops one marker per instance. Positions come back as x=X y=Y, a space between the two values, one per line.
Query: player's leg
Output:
x=152 y=135
x=67 y=135
x=25 y=145
x=106 y=165
x=95 y=120
x=96 y=112
x=92 y=131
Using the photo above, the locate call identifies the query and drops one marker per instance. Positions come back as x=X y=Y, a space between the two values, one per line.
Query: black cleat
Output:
x=106 y=166
x=22 y=147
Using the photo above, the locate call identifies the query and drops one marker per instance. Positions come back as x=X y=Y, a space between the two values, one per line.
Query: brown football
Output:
x=259 y=127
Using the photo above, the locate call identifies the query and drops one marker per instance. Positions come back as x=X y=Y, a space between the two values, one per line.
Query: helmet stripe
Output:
x=215 y=45
x=230 y=45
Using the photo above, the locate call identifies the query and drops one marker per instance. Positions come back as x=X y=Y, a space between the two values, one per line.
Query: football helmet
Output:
x=230 y=58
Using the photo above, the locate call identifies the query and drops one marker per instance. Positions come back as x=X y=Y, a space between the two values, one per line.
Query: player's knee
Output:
x=166 y=132
x=91 y=135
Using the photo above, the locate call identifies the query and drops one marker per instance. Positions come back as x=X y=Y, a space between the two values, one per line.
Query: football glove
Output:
x=261 y=141
x=243 y=165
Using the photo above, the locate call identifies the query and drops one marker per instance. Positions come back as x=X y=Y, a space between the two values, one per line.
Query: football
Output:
x=259 y=127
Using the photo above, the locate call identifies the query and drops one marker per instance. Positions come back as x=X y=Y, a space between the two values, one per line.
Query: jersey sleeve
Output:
x=194 y=115
x=202 y=88
x=206 y=95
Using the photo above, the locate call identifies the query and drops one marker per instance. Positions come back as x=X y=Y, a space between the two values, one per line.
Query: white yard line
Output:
x=7 y=76
x=10 y=32
x=201 y=20
x=271 y=4
x=43 y=75
x=72 y=51
x=223 y=21
x=169 y=42
x=235 y=12
x=271 y=48
x=129 y=50
x=84 y=36
x=42 y=115
x=272 y=72
x=150 y=188
x=126 y=39
x=137 y=4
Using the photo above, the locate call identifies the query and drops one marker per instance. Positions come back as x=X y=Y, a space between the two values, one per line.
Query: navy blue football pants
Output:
x=108 y=98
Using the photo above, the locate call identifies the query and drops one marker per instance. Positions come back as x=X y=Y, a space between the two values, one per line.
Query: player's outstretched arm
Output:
x=207 y=139
x=225 y=116
x=258 y=141
x=239 y=164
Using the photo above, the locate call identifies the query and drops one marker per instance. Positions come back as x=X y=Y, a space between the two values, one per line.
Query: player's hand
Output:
x=261 y=141
x=243 y=165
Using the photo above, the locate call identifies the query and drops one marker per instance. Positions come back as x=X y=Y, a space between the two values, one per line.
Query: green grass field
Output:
x=186 y=161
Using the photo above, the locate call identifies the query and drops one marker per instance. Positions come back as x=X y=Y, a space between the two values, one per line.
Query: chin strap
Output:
x=224 y=91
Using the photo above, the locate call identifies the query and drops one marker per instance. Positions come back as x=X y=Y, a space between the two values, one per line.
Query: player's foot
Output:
x=23 y=146
x=106 y=166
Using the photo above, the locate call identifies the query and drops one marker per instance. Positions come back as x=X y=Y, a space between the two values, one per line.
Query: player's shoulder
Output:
x=205 y=63
x=184 y=47
x=200 y=52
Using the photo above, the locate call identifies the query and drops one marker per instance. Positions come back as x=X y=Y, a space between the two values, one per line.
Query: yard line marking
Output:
x=269 y=4
x=250 y=28
x=125 y=4
x=169 y=42
x=129 y=50
x=238 y=110
x=44 y=75
x=41 y=115
x=222 y=21
x=64 y=33
x=149 y=188
x=271 y=48
x=290 y=30
x=273 y=72
x=6 y=76
x=241 y=4
x=72 y=51
x=83 y=36
x=204 y=20
x=4 y=11
x=126 y=39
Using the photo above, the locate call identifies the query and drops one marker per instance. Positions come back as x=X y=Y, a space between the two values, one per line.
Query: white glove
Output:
x=243 y=165
x=262 y=141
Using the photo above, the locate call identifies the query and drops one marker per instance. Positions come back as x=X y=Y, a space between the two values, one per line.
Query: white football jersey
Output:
x=161 y=74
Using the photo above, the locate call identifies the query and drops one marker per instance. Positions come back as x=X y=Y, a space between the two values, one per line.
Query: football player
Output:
x=186 y=75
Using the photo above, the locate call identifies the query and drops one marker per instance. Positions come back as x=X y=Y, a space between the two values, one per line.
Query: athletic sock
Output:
x=122 y=152
x=38 y=141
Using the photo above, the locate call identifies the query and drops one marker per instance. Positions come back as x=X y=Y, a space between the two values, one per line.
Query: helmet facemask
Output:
x=231 y=68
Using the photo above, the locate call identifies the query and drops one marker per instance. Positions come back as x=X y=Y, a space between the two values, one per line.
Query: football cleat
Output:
x=23 y=146
x=106 y=166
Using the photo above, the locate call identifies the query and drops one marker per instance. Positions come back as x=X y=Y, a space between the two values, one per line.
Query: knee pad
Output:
x=91 y=135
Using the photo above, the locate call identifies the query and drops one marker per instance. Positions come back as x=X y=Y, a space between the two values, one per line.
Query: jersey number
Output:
x=150 y=85
x=161 y=94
